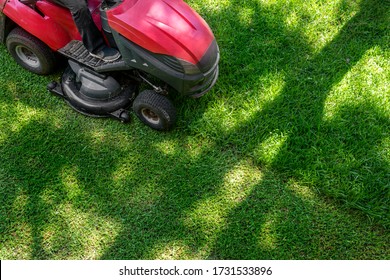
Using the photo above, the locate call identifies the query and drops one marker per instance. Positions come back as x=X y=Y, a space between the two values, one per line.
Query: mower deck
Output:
x=76 y=51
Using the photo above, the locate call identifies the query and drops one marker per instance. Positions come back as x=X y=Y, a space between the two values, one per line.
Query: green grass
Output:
x=288 y=157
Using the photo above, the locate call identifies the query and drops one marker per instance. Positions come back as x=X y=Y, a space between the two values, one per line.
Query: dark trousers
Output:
x=90 y=34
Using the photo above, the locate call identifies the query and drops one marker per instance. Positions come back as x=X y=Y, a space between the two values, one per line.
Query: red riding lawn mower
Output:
x=164 y=44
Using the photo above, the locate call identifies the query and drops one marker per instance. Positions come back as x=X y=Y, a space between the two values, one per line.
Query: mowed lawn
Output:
x=288 y=157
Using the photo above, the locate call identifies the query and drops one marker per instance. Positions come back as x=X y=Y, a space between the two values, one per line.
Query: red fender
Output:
x=41 y=27
x=56 y=28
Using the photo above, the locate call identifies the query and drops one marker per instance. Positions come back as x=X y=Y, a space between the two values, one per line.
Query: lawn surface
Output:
x=288 y=157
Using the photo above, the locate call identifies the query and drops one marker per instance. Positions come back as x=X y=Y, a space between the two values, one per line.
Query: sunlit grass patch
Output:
x=70 y=182
x=18 y=245
x=224 y=116
x=82 y=235
x=367 y=83
x=208 y=217
x=270 y=147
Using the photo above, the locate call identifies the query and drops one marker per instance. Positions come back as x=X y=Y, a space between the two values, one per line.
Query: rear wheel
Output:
x=155 y=110
x=30 y=53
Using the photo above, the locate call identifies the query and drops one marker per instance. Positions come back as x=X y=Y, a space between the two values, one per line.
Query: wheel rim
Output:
x=27 y=56
x=150 y=116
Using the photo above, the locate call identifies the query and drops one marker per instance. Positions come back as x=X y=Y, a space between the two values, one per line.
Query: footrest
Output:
x=75 y=50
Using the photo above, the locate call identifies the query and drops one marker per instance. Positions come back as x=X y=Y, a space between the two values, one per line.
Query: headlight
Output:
x=179 y=65
x=189 y=68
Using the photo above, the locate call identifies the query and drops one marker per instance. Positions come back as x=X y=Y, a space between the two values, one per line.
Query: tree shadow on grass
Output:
x=302 y=122
x=37 y=191
x=60 y=188
x=128 y=205
x=340 y=158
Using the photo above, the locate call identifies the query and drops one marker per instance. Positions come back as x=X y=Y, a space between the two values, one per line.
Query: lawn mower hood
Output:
x=167 y=39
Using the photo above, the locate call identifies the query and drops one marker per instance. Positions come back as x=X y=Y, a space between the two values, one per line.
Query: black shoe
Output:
x=107 y=54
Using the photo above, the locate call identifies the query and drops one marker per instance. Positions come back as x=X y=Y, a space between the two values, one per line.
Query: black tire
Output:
x=155 y=110
x=30 y=53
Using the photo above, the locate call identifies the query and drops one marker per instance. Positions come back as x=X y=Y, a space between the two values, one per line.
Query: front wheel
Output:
x=30 y=53
x=155 y=110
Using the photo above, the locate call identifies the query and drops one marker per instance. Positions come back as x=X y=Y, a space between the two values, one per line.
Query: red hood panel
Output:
x=167 y=27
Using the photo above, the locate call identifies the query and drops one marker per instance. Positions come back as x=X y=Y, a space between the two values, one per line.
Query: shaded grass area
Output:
x=287 y=158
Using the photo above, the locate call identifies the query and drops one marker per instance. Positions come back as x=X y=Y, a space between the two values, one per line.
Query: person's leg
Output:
x=90 y=34
x=82 y=17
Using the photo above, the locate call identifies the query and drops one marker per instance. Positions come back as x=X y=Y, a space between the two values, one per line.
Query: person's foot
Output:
x=107 y=54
